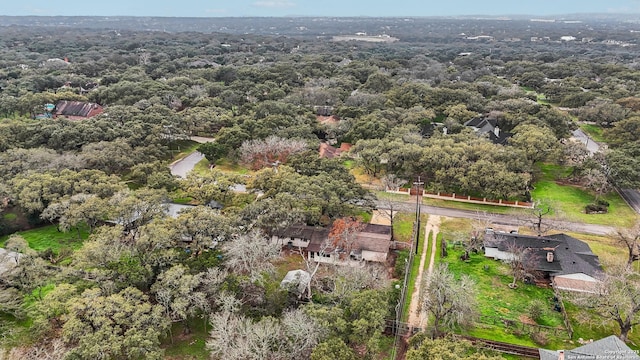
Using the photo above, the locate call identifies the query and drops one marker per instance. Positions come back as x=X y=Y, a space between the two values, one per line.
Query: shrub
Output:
x=595 y=208
x=540 y=338
x=536 y=309
x=401 y=259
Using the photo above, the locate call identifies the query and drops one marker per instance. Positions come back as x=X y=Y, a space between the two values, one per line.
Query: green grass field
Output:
x=570 y=201
x=46 y=237
x=594 y=131
x=190 y=346
x=181 y=148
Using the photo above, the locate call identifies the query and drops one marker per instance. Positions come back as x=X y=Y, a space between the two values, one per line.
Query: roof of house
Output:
x=329 y=151
x=75 y=108
x=489 y=127
x=373 y=237
x=610 y=347
x=570 y=255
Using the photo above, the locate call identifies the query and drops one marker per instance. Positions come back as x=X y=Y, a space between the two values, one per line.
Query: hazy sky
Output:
x=313 y=7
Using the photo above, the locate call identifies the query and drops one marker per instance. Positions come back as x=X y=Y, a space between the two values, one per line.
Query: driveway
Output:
x=182 y=167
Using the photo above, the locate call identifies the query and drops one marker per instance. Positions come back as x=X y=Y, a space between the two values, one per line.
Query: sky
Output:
x=233 y=8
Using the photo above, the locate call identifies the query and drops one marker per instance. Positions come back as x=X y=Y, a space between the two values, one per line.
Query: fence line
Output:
x=465 y=198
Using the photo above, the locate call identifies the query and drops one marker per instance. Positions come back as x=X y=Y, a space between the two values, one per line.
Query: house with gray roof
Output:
x=485 y=126
x=567 y=262
x=608 y=348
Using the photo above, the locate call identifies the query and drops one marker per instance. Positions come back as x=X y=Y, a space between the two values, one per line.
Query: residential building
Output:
x=568 y=263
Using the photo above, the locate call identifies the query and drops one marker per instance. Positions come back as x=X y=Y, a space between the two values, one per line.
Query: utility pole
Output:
x=418 y=184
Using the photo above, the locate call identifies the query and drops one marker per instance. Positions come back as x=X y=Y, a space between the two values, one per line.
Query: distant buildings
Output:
x=76 y=110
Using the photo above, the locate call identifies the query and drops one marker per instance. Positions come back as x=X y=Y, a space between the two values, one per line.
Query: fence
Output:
x=565 y=316
x=525 y=328
x=464 y=198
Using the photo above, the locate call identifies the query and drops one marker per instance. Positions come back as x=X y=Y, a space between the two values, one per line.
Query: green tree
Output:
x=332 y=349
x=118 y=326
x=448 y=349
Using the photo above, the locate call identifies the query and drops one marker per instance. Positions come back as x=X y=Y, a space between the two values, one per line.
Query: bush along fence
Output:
x=522 y=327
x=465 y=198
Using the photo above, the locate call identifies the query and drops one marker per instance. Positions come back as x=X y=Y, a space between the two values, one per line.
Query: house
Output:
x=488 y=127
x=330 y=152
x=608 y=348
x=371 y=244
x=76 y=110
x=567 y=262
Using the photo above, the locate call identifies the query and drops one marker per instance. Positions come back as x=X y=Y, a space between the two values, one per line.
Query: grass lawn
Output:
x=181 y=148
x=594 y=131
x=475 y=207
x=227 y=166
x=570 y=201
x=45 y=237
x=189 y=346
x=497 y=301
x=9 y=216
x=202 y=167
x=383 y=195
x=403 y=226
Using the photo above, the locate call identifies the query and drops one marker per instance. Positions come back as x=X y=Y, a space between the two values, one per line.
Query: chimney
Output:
x=550 y=256
x=496 y=131
x=560 y=354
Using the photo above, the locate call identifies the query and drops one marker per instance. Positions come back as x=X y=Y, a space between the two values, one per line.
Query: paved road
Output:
x=502 y=219
x=632 y=197
x=592 y=146
x=182 y=167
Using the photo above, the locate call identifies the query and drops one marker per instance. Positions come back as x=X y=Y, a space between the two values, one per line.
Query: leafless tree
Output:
x=54 y=349
x=235 y=337
x=450 y=301
x=522 y=263
x=272 y=150
x=616 y=298
x=630 y=238
x=537 y=218
x=250 y=254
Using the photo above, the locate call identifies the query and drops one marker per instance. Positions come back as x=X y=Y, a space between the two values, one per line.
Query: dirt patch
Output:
x=381 y=218
x=527 y=320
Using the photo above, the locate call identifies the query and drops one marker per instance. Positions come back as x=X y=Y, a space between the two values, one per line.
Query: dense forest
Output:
x=135 y=275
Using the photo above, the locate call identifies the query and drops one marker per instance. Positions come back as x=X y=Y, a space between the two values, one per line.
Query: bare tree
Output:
x=538 y=218
x=616 y=298
x=250 y=254
x=343 y=234
x=235 y=337
x=630 y=238
x=522 y=263
x=272 y=150
x=450 y=301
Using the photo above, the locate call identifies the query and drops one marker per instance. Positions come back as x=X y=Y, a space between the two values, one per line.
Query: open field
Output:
x=570 y=201
x=48 y=237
